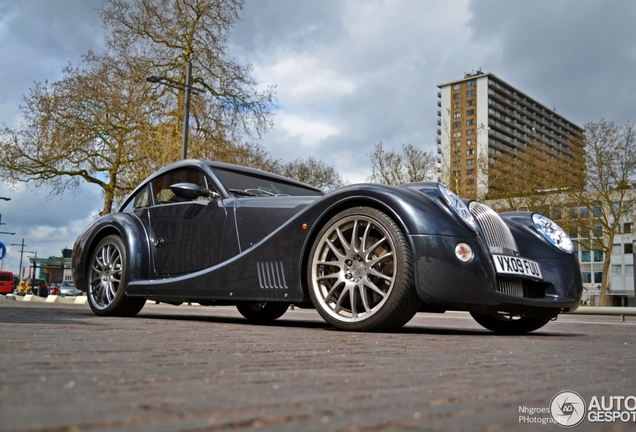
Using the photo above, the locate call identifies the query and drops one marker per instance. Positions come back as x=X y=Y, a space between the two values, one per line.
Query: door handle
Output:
x=159 y=242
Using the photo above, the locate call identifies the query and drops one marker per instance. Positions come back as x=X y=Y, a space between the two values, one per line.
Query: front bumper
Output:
x=444 y=282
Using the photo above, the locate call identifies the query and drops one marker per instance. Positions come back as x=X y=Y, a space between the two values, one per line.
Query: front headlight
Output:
x=553 y=232
x=458 y=206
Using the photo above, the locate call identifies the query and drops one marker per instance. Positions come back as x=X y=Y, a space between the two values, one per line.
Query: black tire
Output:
x=509 y=324
x=360 y=272
x=262 y=312
x=107 y=279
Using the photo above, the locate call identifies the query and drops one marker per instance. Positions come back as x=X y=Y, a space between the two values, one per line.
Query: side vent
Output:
x=271 y=275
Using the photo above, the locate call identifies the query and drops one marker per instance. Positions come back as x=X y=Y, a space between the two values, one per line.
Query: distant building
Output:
x=53 y=269
x=621 y=282
x=480 y=117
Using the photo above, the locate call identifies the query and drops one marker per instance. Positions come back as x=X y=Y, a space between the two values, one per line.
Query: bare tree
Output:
x=606 y=196
x=103 y=123
x=393 y=168
x=313 y=172
x=86 y=127
x=161 y=36
x=531 y=177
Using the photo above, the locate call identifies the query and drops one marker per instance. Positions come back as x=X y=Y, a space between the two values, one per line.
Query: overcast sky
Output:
x=348 y=74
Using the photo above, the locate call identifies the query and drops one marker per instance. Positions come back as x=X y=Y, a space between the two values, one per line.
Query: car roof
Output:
x=203 y=164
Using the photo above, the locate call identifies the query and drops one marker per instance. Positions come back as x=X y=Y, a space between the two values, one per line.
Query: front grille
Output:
x=499 y=240
x=510 y=286
x=498 y=236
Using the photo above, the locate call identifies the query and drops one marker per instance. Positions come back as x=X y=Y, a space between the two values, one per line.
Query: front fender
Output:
x=132 y=231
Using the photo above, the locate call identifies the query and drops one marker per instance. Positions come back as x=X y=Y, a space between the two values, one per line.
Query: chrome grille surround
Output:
x=498 y=237
x=500 y=241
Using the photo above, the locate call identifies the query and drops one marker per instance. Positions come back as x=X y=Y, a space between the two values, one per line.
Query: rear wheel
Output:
x=360 y=272
x=509 y=324
x=107 y=280
x=262 y=312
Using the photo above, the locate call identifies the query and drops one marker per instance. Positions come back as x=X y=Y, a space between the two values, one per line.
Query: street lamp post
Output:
x=22 y=251
x=188 y=89
x=2 y=223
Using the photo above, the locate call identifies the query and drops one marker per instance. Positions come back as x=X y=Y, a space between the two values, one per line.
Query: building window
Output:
x=470 y=112
x=627 y=227
x=598 y=277
x=470 y=132
x=585 y=212
x=470 y=102
x=470 y=83
x=598 y=231
x=470 y=181
x=470 y=151
x=456 y=96
x=574 y=213
x=457 y=124
x=469 y=142
x=457 y=86
x=585 y=256
x=616 y=249
x=457 y=134
x=598 y=256
x=629 y=248
x=457 y=115
x=470 y=171
x=470 y=93
x=458 y=153
x=470 y=122
x=458 y=163
x=458 y=143
x=587 y=277
x=457 y=105
x=629 y=269
x=456 y=173
x=617 y=270
x=470 y=161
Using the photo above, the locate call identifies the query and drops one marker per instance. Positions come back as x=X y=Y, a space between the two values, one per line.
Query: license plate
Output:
x=517 y=266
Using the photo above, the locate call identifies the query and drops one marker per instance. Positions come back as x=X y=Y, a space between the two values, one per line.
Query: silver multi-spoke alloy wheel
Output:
x=357 y=262
x=105 y=275
x=107 y=280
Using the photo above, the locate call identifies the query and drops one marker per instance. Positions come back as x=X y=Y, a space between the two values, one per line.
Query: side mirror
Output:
x=190 y=191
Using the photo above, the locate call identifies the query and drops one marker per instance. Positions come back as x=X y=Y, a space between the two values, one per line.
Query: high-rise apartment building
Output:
x=482 y=117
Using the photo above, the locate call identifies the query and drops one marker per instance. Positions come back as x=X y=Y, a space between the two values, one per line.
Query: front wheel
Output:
x=262 y=312
x=360 y=272
x=107 y=280
x=509 y=324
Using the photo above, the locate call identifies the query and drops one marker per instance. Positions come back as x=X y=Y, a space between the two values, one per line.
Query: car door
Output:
x=186 y=235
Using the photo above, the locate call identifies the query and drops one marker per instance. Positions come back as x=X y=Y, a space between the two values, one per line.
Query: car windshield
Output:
x=254 y=185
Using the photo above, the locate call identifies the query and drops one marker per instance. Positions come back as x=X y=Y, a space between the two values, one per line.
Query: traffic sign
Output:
x=3 y=251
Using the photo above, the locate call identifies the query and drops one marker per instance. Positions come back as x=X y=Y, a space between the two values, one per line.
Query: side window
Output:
x=161 y=192
x=142 y=199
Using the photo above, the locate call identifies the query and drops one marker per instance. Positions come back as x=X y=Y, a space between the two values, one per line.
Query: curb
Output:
x=49 y=299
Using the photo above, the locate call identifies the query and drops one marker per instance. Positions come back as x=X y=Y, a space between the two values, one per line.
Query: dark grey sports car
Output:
x=367 y=257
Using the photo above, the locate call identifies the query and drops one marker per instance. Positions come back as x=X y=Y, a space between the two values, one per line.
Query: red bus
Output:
x=6 y=282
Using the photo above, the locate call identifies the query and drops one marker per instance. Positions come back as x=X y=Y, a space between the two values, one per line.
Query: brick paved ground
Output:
x=193 y=369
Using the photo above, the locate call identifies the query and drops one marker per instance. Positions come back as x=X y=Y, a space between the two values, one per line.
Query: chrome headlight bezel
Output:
x=553 y=233
x=458 y=206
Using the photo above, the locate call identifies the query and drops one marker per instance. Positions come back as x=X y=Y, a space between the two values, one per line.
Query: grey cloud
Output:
x=576 y=55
